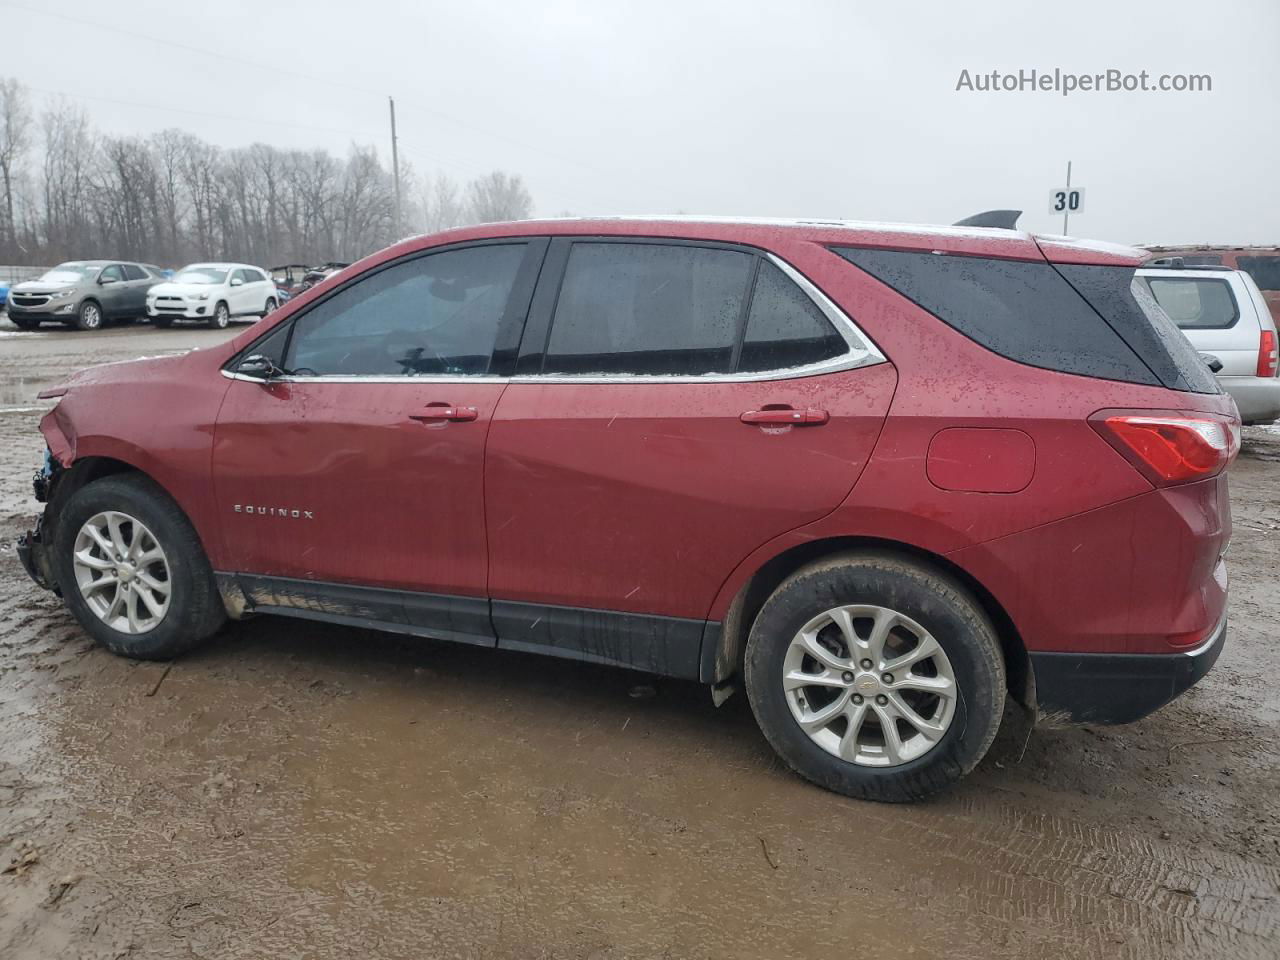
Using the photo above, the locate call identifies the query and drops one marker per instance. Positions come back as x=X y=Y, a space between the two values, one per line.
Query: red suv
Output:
x=877 y=475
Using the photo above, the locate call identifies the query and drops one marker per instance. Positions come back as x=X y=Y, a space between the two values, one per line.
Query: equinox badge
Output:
x=274 y=511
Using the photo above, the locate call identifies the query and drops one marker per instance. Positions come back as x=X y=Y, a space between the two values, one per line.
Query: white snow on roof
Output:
x=873 y=226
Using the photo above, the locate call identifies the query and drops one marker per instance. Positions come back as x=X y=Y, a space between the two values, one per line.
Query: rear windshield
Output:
x=1082 y=320
x=1195 y=303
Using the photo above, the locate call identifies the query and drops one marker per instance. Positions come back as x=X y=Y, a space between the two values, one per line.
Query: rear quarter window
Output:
x=1025 y=311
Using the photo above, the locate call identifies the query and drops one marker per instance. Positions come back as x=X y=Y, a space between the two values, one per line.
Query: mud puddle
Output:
x=302 y=790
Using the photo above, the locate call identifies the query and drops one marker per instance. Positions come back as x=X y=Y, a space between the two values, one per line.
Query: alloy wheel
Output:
x=92 y=317
x=869 y=685
x=122 y=572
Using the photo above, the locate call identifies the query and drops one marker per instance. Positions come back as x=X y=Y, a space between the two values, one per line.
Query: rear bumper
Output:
x=1117 y=688
x=1257 y=397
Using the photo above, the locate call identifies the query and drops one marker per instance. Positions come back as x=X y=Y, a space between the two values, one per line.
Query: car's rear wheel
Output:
x=876 y=677
x=221 y=316
x=133 y=571
x=269 y=306
x=90 y=316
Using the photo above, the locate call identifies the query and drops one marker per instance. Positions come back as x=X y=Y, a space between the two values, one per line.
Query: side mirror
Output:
x=236 y=282
x=259 y=367
x=107 y=281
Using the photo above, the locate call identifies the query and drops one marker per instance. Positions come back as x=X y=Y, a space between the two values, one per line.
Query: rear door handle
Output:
x=779 y=416
x=437 y=412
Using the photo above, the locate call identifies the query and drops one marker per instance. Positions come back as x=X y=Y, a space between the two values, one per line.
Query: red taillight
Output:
x=1268 y=355
x=1171 y=449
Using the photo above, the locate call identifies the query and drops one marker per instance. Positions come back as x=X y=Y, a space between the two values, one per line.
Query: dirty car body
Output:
x=871 y=472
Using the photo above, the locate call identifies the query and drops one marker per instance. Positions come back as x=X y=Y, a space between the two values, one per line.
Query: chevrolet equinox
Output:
x=877 y=475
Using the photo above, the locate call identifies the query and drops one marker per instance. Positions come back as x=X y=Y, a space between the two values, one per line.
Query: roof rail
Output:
x=1178 y=263
x=1005 y=219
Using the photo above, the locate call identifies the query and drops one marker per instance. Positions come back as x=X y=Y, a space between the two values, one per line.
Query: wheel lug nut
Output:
x=847 y=677
x=882 y=699
x=866 y=664
x=887 y=678
x=857 y=698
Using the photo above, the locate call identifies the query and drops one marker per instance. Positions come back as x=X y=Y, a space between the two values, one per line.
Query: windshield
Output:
x=201 y=275
x=71 y=273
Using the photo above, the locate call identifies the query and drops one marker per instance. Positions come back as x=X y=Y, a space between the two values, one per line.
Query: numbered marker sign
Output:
x=1067 y=200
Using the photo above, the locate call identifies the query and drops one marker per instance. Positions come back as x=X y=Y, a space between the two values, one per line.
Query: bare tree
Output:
x=15 y=138
x=442 y=205
x=498 y=196
x=172 y=197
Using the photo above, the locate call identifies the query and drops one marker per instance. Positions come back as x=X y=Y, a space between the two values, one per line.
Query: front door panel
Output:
x=362 y=483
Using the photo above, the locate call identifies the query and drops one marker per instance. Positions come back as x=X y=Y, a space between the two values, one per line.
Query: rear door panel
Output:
x=643 y=497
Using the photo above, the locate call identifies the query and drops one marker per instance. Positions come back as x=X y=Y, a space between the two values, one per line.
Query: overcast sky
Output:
x=817 y=109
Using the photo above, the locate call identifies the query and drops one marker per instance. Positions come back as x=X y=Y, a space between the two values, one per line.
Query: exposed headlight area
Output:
x=61 y=294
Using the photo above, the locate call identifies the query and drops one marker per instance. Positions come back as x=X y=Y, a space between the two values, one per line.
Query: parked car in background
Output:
x=321 y=273
x=288 y=277
x=1260 y=262
x=831 y=464
x=214 y=293
x=83 y=293
x=1226 y=318
x=4 y=295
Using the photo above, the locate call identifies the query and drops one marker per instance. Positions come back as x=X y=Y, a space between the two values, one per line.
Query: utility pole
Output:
x=1066 y=209
x=395 y=163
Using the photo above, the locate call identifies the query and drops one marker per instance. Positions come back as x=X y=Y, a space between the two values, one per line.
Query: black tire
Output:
x=89 y=316
x=269 y=306
x=221 y=316
x=164 y=323
x=195 y=609
x=25 y=324
x=935 y=601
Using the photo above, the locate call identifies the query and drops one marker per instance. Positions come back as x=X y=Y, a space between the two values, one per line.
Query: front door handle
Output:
x=438 y=412
x=786 y=416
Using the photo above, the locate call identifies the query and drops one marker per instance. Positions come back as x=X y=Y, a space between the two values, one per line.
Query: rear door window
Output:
x=646 y=309
x=132 y=272
x=784 y=327
x=1196 y=303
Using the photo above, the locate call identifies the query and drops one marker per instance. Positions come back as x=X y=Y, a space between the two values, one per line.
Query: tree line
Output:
x=73 y=192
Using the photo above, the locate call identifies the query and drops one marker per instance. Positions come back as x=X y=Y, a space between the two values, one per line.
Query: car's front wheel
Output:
x=90 y=316
x=24 y=324
x=221 y=316
x=132 y=569
x=876 y=677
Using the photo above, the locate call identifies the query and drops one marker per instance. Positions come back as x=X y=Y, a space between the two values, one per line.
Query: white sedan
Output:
x=212 y=292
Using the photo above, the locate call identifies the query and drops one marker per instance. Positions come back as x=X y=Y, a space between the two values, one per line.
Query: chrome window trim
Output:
x=862 y=352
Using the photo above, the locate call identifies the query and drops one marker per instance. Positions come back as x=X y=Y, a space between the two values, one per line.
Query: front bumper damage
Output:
x=33 y=546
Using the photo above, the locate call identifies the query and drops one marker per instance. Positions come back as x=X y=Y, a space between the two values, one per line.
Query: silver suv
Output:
x=1226 y=318
x=87 y=293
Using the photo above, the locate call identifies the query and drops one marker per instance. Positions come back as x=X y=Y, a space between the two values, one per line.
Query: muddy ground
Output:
x=298 y=790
